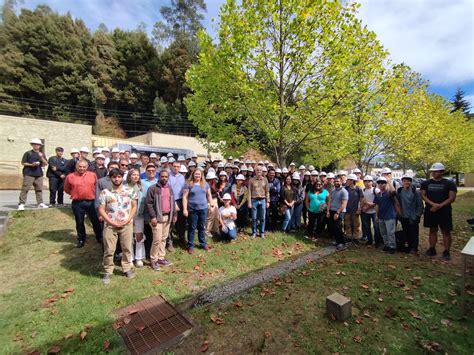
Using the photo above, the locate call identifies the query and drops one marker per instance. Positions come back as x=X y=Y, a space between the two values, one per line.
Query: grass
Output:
x=51 y=292
x=401 y=304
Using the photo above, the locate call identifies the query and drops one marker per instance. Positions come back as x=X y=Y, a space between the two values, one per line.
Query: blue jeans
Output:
x=367 y=220
x=259 y=207
x=80 y=208
x=231 y=234
x=197 y=220
x=387 y=230
x=287 y=219
x=295 y=222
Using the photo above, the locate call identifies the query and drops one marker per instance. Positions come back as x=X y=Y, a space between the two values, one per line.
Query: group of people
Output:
x=138 y=204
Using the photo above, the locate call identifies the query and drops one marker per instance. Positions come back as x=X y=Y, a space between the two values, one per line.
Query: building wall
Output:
x=469 y=180
x=17 y=132
x=182 y=142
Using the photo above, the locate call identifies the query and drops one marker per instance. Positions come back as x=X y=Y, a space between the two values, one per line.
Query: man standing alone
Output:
x=56 y=174
x=32 y=162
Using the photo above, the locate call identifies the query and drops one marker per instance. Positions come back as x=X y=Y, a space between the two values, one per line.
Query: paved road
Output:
x=9 y=199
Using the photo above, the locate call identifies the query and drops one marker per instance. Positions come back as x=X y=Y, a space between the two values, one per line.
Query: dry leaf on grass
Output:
x=446 y=322
x=83 y=334
x=437 y=301
x=267 y=334
x=34 y=352
x=357 y=339
x=410 y=298
x=54 y=350
x=127 y=320
x=106 y=345
x=197 y=267
x=67 y=336
x=204 y=347
x=415 y=315
x=216 y=320
x=238 y=304
x=364 y=286
x=117 y=325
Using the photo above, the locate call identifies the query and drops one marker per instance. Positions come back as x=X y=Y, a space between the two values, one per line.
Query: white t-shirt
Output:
x=369 y=196
x=227 y=211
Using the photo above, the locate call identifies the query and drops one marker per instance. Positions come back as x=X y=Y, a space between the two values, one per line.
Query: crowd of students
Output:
x=140 y=204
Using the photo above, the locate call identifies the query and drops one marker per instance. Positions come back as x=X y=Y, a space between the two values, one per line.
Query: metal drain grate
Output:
x=151 y=324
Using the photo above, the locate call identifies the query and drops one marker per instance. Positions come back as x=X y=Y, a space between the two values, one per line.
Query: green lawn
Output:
x=38 y=263
x=401 y=304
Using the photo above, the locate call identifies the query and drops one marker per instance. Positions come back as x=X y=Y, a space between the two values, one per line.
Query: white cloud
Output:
x=470 y=99
x=434 y=37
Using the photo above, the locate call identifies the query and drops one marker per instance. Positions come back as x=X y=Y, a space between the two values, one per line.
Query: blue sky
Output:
x=434 y=37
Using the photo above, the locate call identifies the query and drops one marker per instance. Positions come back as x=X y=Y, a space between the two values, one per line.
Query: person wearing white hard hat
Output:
x=310 y=168
x=56 y=174
x=230 y=160
x=387 y=207
x=259 y=201
x=322 y=177
x=287 y=196
x=302 y=170
x=343 y=175
x=181 y=159
x=134 y=162
x=284 y=174
x=438 y=194
x=212 y=220
x=227 y=217
x=368 y=213
x=106 y=152
x=329 y=184
x=264 y=171
x=197 y=200
x=295 y=222
x=115 y=154
x=278 y=174
x=239 y=194
x=177 y=182
x=194 y=158
x=154 y=158
x=98 y=166
x=223 y=187
x=191 y=167
x=352 y=224
x=292 y=168
x=335 y=216
x=411 y=209
x=316 y=201
x=359 y=183
x=392 y=185
x=83 y=154
x=32 y=162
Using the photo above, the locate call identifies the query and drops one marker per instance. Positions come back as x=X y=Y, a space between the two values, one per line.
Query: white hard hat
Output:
x=310 y=168
x=437 y=167
x=236 y=161
x=284 y=170
x=105 y=149
x=295 y=176
x=122 y=151
x=278 y=170
x=243 y=168
x=152 y=155
x=228 y=165
x=356 y=170
x=248 y=162
x=169 y=155
x=407 y=176
x=270 y=166
x=240 y=177
x=264 y=168
x=331 y=176
x=171 y=160
x=266 y=162
x=191 y=163
x=115 y=150
x=314 y=173
x=182 y=169
x=74 y=150
x=97 y=151
x=254 y=162
x=163 y=159
x=368 y=178
x=342 y=172
x=226 y=196
x=302 y=167
x=211 y=175
x=352 y=177
x=134 y=155
x=36 y=141
x=100 y=156
x=223 y=173
x=386 y=171
x=250 y=169
x=381 y=179
x=260 y=163
x=194 y=155
x=292 y=164
x=181 y=158
x=84 y=149
x=230 y=158
x=307 y=173
x=220 y=165
x=323 y=173
x=211 y=169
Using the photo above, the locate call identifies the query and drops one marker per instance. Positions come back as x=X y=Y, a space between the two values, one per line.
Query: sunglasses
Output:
x=123 y=164
x=150 y=170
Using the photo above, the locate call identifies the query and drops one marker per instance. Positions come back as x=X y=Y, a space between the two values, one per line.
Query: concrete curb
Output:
x=4 y=217
x=234 y=287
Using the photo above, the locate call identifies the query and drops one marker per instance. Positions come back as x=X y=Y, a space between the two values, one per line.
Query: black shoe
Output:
x=431 y=252
x=391 y=251
x=446 y=255
x=470 y=221
x=80 y=243
x=99 y=240
x=386 y=248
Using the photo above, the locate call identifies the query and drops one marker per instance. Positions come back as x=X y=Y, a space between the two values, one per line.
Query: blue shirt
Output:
x=143 y=175
x=177 y=183
x=197 y=196
x=275 y=187
x=386 y=203
x=145 y=186
x=316 y=200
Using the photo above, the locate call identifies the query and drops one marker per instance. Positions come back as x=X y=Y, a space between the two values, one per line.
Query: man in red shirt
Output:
x=80 y=185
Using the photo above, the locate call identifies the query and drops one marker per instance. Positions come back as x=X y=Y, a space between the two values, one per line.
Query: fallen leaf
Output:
x=305 y=273
x=106 y=345
x=197 y=267
x=140 y=328
x=432 y=346
x=34 y=334
x=415 y=315
x=359 y=321
x=87 y=326
x=156 y=282
x=54 y=350
x=446 y=322
x=238 y=304
x=117 y=325
x=127 y=320
x=437 y=301
x=132 y=311
x=34 y=352
x=411 y=298
x=380 y=299
x=452 y=293
x=68 y=336
x=83 y=335
x=469 y=292
x=204 y=347
x=364 y=286
x=267 y=334
x=392 y=266
x=69 y=290
x=357 y=339
x=333 y=317
x=216 y=320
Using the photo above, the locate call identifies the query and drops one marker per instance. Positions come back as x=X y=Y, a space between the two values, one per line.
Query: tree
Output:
x=278 y=71
x=459 y=103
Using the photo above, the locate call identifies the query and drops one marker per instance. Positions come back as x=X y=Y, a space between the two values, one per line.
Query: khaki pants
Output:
x=212 y=222
x=160 y=233
x=37 y=182
x=124 y=235
x=352 y=226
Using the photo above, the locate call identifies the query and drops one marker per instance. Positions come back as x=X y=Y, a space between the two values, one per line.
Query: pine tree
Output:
x=460 y=103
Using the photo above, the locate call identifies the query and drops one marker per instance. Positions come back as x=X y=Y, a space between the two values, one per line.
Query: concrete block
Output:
x=338 y=307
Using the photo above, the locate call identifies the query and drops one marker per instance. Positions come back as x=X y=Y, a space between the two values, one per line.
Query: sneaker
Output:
x=334 y=244
x=446 y=255
x=164 y=262
x=170 y=248
x=190 y=250
x=431 y=252
x=340 y=247
x=262 y=236
x=206 y=248
x=42 y=205
x=138 y=263
x=233 y=241
x=155 y=266
x=106 y=279
x=80 y=243
x=363 y=240
x=253 y=236
x=21 y=207
x=413 y=251
x=130 y=274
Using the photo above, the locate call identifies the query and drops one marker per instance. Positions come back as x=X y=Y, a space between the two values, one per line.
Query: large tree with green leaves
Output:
x=277 y=73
